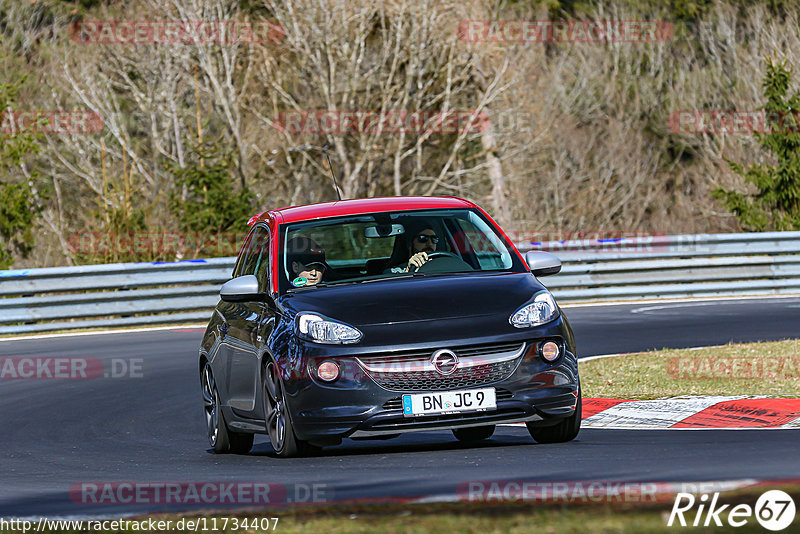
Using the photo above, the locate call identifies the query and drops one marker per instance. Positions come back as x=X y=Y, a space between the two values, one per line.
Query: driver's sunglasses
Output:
x=423 y=238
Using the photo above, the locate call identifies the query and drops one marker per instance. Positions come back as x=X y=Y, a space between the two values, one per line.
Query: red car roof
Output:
x=358 y=206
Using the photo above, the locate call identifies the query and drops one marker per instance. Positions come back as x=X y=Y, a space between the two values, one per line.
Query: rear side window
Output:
x=237 y=269
x=256 y=261
x=254 y=256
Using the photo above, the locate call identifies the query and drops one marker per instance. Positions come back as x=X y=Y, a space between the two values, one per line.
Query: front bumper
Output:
x=357 y=406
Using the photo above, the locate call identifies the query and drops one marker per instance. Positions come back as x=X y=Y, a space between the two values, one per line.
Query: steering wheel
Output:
x=433 y=256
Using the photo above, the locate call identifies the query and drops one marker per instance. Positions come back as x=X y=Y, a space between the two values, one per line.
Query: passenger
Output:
x=422 y=240
x=306 y=260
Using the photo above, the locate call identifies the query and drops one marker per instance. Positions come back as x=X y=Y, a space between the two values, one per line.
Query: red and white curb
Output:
x=692 y=412
x=706 y=412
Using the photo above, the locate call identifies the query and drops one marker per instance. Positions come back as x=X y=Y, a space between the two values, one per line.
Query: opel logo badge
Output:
x=445 y=361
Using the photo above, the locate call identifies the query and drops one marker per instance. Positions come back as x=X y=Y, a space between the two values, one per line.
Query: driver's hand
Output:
x=417 y=260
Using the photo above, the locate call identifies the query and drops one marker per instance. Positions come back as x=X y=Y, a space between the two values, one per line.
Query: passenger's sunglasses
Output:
x=423 y=238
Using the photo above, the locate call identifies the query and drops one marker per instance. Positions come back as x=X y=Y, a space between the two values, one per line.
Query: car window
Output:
x=344 y=243
x=257 y=258
x=376 y=246
x=262 y=265
x=237 y=269
x=485 y=244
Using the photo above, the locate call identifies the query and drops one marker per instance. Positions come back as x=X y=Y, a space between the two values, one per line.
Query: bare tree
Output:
x=384 y=58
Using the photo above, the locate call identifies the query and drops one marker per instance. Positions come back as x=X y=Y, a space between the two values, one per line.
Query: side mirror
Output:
x=542 y=263
x=241 y=289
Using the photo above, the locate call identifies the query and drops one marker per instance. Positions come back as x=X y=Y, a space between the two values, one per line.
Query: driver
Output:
x=422 y=243
x=306 y=260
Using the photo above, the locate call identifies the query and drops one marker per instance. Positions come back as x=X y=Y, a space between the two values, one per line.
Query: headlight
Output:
x=542 y=310
x=323 y=330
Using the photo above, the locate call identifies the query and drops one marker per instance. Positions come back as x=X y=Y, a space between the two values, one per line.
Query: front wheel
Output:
x=220 y=437
x=565 y=430
x=276 y=416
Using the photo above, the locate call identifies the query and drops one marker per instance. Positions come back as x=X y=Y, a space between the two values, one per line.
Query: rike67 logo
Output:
x=774 y=510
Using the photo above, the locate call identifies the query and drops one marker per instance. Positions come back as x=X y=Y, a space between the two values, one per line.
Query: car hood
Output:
x=417 y=299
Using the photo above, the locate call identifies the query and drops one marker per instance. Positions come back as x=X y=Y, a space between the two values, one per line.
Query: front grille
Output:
x=396 y=403
x=412 y=371
x=433 y=381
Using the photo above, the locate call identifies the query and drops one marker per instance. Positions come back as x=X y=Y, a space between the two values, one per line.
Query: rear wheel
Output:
x=565 y=430
x=220 y=437
x=276 y=416
x=475 y=433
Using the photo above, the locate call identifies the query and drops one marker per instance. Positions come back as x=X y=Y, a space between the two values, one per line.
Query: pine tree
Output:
x=211 y=204
x=776 y=204
x=18 y=204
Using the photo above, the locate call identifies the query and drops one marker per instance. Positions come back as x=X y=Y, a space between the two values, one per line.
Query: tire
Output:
x=220 y=437
x=474 y=433
x=565 y=430
x=276 y=417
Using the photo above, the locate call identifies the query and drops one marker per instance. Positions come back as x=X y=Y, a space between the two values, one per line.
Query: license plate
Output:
x=448 y=402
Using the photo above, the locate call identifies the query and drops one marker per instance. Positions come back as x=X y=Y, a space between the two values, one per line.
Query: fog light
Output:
x=328 y=371
x=550 y=351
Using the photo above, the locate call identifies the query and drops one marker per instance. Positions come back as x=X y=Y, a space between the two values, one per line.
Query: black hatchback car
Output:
x=368 y=318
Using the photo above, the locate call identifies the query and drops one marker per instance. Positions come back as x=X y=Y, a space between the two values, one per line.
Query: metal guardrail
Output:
x=129 y=294
x=121 y=294
x=679 y=266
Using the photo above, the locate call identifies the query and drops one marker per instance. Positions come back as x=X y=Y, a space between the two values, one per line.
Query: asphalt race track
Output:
x=613 y=329
x=148 y=428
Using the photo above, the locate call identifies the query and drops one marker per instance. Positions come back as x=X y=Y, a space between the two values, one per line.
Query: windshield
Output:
x=380 y=246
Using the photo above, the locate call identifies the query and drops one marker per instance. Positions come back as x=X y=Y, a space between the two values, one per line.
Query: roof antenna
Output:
x=333 y=175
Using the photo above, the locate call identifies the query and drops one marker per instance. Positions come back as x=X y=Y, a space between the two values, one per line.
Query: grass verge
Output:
x=771 y=368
